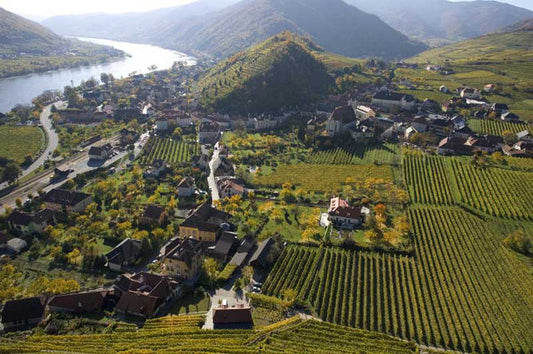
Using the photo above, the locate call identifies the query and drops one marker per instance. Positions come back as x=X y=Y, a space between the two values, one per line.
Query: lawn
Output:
x=321 y=178
x=18 y=141
x=289 y=226
x=191 y=304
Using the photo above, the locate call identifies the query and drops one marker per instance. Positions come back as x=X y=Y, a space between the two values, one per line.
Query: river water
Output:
x=21 y=89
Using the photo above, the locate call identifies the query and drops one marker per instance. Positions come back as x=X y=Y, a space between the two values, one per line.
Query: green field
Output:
x=321 y=178
x=183 y=334
x=17 y=142
x=496 y=127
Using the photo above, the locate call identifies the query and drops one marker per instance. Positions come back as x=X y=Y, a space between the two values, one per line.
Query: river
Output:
x=22 y=89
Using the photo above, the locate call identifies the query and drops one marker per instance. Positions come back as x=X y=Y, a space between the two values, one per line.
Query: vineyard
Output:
x=464 y=290
x=427 y=180
x=496 y=127
x=322 y=178
x=366 y=154
x=169 y=150
x=498 y=192
x=183 y=334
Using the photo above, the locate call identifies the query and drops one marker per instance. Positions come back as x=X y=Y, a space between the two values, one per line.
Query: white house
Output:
x=471 y=93
x=341 y=120
x=394 y=100
x=186 y=187
x=342 y=215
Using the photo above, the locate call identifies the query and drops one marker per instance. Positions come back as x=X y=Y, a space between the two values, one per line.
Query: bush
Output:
x=519 y=242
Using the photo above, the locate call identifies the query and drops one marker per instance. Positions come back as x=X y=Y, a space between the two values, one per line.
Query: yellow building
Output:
x=185 y=260
x=203 y=224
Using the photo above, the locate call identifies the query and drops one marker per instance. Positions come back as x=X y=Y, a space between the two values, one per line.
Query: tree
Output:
x=509 y=137
x=11 y=173
x=104 y=78
x=178 y=132
x=290 y=294
x=371 y=236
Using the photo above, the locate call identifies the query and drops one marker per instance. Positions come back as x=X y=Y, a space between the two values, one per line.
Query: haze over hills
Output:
x=443 y=21
x=134 y=26
x=333 y=24
x=279 y=71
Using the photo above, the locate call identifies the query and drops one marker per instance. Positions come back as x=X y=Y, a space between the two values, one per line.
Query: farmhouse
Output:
x=144 y=294
x=471 y=93
x=341 y=214
x=225 y=247
x=260 y=258
x=22 y=314
x=394 y=100
x=340 y=120
x=186 y=187
x=156 y=169
x=203 y=223
x=225 y=315
x=153 y=215
x=92 y=301
x=487 y=143
x=510 y=117
x=246 y=249
x=28 y=224
x=454 y=145
x=66 y=200
x=364 y=112
x=123 y=255
x=185 y=260
x=100 y=153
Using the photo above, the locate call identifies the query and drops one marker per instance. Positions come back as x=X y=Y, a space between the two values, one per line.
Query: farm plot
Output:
x=498 y=192
x=427 y=179
x=183 y=334
x=496 y=127
x=169 y=150
x=464 y=290
x=367 y=154
x=321 y=178
x=17 y=142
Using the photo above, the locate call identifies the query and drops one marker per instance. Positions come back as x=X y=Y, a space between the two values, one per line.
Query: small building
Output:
x=203 y=223
x=487 y=143
x=92 y=301
x=100 y=153
x=510 y=117
x=16 y=245
x=499 y=108
x=186 y=187
x=489 y=88
x=156 y=169
x=261 y=255
x=364 y=112
x=185 y=260
x=454 y=145
x=144 y=294
x=394 y=100
x=342 y=215
x=67 y=201
x=153 y=215
x=162 y=124
x=471 y=93
x=29 y=224
x=23 y=314
x=225 y=247
x=420 y=124
x=224 y=315
x=340 y=120
x=228 y=188
x=245 y=250
x=123 y=255
x=208 y=133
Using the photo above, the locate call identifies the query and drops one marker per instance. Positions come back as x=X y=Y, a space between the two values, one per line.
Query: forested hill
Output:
x=277 y=72
x=18 y=34
x=333 y=24
x=442 y=21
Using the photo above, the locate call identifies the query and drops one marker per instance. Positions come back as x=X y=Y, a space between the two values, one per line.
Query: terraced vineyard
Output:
x=497 y=192
x=496 y=127
x=464 y=290
x=427 y=179
x=169 y=150
x=183 y=334
x=362 y=154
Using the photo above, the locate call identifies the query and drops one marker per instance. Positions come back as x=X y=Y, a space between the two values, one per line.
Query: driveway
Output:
x=213 y=165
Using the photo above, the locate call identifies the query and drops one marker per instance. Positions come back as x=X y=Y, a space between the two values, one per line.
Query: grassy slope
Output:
x=17 y=142
x=503 y=58
x=280 y=71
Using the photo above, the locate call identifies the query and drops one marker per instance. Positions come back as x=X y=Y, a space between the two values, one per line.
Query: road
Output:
x=52 y=142
x=79 y=163
x=213 y=165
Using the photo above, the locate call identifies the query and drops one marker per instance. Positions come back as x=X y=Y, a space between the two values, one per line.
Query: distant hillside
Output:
x=20 y=35
x=507 y=47
x=526 y=25
x=441 y=21
x=133 y=27
x=277 y=72
x=333 y=24
x=26 y=47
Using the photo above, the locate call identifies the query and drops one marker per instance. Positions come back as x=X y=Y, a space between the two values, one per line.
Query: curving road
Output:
x=52 y=140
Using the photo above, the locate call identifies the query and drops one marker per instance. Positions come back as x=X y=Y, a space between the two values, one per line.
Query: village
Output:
x=177 y=215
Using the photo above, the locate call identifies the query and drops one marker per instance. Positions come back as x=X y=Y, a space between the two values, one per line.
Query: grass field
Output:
x=321 y=178
x=183 y=334
x=17 y=142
